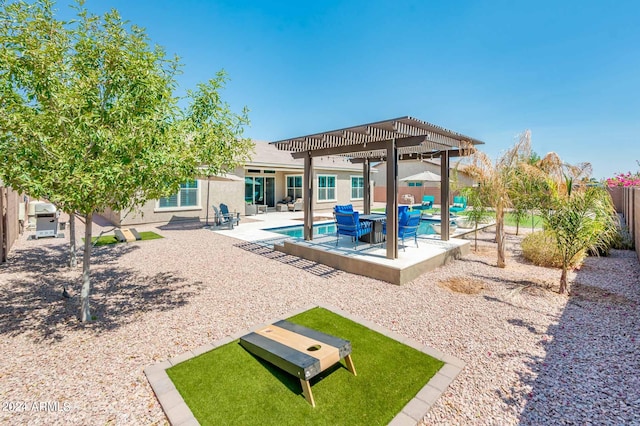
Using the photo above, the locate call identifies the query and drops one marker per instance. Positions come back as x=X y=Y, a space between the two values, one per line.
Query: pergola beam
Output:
x=359 y=147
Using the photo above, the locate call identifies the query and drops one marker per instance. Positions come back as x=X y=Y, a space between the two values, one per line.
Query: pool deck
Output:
x=366 y=259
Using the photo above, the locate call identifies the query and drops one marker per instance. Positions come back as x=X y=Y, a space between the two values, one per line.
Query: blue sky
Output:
x=567 y=70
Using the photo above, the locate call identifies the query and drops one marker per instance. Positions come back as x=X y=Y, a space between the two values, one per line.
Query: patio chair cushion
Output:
x=345 y=208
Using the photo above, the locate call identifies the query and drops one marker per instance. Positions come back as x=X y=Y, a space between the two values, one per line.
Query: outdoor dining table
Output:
x=375 y=236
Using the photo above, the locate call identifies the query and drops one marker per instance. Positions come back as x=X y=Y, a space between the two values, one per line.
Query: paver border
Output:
x=179 y=414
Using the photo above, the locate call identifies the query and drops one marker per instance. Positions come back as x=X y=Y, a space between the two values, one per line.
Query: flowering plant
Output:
x=624 y=179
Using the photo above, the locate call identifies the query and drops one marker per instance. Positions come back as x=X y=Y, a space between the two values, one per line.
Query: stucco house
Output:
x=418 y=189
x=267 y=179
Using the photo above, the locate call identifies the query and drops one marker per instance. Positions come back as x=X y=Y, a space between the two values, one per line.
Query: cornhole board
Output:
x=126 y=234
x=299 y=351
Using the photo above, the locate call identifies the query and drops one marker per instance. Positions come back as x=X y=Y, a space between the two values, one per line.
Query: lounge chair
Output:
x=349 y=223
x=427 y=202
x=224 y=217
x=408 y=224
x=459 y=204
x=297 y=205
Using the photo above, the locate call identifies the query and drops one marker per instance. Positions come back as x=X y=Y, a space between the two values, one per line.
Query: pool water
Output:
x=297 y=231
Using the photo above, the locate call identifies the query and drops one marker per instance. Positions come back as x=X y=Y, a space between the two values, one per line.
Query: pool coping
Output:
x=179 y=414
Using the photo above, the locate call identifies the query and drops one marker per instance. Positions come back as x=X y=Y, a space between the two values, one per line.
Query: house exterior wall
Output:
x=408 y=168
x=343 y=190
x=230 y=193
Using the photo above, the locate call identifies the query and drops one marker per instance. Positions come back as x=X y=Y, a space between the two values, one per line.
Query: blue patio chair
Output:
x=427 y=202
x=408 y=224
x=349 y=223
x=226 y=218
x=459 y=204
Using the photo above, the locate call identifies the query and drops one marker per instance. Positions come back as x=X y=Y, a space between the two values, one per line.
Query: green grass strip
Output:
x=111 y=239
x=228 y=385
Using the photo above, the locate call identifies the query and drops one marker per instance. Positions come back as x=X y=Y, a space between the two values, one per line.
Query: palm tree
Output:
x=580 y=221
x=496 y=182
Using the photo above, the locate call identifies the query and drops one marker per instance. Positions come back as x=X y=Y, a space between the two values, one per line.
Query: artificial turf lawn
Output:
x=228 y=385
x=111 y=239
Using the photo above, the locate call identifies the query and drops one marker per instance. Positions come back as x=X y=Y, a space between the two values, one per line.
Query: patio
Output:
x=366 y=259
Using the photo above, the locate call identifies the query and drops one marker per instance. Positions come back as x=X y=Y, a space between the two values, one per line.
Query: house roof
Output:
x=414 y=138
x=268 y=155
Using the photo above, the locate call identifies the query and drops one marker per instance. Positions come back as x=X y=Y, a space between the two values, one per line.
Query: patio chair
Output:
x=459 y=204
x=349 y=223
x=224 y=217
x=408 y=224
x=297 y=205
x=427 y=202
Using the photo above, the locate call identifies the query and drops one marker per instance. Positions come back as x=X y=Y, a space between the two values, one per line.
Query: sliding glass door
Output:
x=260 y=190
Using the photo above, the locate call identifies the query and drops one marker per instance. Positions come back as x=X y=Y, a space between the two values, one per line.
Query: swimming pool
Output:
x=297 y=231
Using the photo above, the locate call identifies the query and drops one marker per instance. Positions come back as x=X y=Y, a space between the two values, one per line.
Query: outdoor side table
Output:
x=375 y=236
x=299 y=351
x=262 y=208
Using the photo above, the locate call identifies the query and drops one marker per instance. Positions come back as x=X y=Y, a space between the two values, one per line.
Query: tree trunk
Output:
x=563 y=281
x=85 y=311
x=500 y=236
x=532 y=217
x=73 y=255
x=476 y=237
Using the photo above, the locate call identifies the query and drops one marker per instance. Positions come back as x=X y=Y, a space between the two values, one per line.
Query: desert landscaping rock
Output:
x=532 y=356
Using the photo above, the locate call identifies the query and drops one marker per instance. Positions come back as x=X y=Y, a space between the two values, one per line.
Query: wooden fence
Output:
x=9 y=220
x=627 y=202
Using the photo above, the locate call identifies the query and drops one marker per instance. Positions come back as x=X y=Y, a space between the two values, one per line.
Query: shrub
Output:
x=623 y=240
x=540 y=249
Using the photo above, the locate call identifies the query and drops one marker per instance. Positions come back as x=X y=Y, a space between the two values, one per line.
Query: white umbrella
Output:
x=425 y=176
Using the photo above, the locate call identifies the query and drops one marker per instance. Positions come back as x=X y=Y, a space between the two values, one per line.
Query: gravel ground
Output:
x=533 y=356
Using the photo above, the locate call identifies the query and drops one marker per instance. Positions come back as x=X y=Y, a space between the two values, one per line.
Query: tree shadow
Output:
x=179 y=223
x=590 y=373
x=31 y=299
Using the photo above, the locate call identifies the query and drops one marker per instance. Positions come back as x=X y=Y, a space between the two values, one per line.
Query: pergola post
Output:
x=307 y=197
x=444 y=195
x=392 y=199
x=366 y=173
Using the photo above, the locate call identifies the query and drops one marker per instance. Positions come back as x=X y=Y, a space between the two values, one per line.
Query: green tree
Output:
x=583 y=220
x=89 y=120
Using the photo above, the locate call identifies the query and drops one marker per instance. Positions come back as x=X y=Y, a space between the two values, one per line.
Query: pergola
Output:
x=398 y=139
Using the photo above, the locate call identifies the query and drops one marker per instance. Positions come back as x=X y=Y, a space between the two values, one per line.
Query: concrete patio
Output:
x=365 y=259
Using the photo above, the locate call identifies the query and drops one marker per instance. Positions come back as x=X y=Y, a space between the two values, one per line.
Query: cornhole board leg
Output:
x=306 y=391
x=350 y=366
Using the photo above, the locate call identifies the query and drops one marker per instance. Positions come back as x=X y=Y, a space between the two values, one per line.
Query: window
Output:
x=186 y=197
x=415 y=183
x=254 y=190
x=294 y=187
x=357 y=187
x=326 y=188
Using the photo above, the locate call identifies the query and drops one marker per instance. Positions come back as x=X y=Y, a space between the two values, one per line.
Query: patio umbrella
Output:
x=425 y=176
